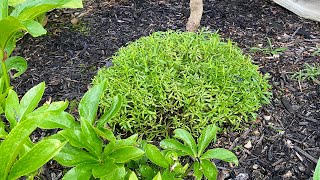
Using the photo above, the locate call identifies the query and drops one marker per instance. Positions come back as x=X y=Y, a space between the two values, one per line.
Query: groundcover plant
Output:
x=183 y=80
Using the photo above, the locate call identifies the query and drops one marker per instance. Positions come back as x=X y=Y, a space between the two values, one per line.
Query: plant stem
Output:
x=5 y=74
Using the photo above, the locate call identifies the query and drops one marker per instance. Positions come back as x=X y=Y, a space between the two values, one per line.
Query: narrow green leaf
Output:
x=3 y=9
x=53 y=120
x=72 y=156
x=209 y=169
x=115 y=107
x=316 y=175
x=155 y=156
x=105 y=133
x=92 y=141
x=30 y=100
x=52 y=107
x=197 y=173
x=34 y=28
x=3 y=132
x=187 y=138
x=31 y=161
x=88 y=105
x=125 y=154
x=221 y=154
x=177 y=146
x=12 y=108
x=12 y=145
x=158 y=176
x=18 y=63
x=80 y=172
x=14 y=3
x=8 y=27
x=207 y=135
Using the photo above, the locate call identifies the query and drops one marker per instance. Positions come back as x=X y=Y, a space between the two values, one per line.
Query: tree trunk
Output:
x=196 y=9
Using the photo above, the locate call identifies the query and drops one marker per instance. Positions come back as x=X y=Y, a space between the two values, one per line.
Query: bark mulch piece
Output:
x=283 y=143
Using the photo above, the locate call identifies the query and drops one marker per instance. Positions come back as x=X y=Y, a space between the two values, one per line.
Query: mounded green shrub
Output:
x=185 y=80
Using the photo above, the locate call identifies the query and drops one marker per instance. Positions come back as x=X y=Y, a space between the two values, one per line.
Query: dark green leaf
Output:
x=18 y=63
x=125 y=154
x=155 y=156
x=176 y=145
x=187 y=138
x=34 y=28
x=92 y=141
x=207 y=135
x=147 y=171
x=80 y=172
x=221 y=154
x=72 y=156
x=209 y=169
x=31 y=161
x=115 y=107
x=197 y=173
x=88 y=105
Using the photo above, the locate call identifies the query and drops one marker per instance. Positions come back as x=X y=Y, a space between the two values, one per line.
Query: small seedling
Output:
x=310 y=72
x=270 y=50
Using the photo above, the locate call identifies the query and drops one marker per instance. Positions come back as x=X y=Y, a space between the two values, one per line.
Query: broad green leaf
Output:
x=114 y=145
x=187 y=138
x=207 y=135
x=104 y=169
x=11 y=43
x=115 y=107
x=3 y=132
x=15 y=2
x=53 y=120
x=30 y=100
x=168 y=175
x=158 y=176
x=12 y=108
x=197 y=173
x=88 y=105
x=72 y=156
x=34 y=28
x=41 y=153
x=209 y=170
x=52 y=107
x=3 y=9
x=93 y=142
x=105 y=133
x=177 y=146
x=18 y=63
x=80 y=172
x=125 y=154
x=221 y=154
x=73 y=4
x=74 y=136
x=155 y=156
x=132 y=176
x=8 y=27
x=316 y=175
x=118 y=174
x=12 y=145
x=147 y=171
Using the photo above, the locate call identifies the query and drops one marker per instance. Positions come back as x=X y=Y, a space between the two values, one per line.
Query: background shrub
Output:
x=184 y=80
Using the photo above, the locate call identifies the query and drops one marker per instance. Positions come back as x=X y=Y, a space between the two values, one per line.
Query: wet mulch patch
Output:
x=283 y=143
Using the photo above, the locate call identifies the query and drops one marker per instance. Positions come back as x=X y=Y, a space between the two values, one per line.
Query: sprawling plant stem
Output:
x=196 y=9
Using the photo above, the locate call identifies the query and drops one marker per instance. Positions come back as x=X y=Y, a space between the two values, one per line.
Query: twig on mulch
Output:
x=301 y=151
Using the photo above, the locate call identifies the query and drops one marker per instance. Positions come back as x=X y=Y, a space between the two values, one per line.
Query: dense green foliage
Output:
x=184 y=80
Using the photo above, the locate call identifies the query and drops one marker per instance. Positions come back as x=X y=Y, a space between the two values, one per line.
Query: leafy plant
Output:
x=201 y=164
x=183 y=80
x=20 y=156
x=92 y=149
x=310 y=72
x=316 y=175
x=270 y=50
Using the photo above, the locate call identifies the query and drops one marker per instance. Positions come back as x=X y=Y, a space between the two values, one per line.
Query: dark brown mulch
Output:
x=283 y=143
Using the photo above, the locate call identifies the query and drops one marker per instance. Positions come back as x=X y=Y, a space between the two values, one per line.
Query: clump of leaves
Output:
x=270 y=50
x=309 y=72
x=183 y=80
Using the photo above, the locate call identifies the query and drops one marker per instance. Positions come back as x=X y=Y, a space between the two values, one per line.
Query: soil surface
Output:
x=284 y=142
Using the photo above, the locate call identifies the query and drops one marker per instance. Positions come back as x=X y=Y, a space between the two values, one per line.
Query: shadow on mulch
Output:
x=283 y=143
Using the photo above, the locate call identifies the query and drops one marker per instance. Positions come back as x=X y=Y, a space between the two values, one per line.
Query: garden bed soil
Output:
x=284 y=141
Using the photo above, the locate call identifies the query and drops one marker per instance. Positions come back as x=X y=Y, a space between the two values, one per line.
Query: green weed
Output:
x=270 y=50
x=310 y=72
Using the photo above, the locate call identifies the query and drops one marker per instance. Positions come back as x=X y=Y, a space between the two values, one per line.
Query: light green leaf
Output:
x=8 y=27
x=132 y=176
x=11 y=146
x=316 y=175
x=53 y=120
x=31 y=161
x=105 y=133
x=155 y=156
x=209 y=169
x=108 y=167
x=146 y=171
x=74 y=136
x=73 y=4
x=52 y=107
x=197 y=173
x=187 y=138
x=91 y=139
x=34 y=28
x=18 y=63
x=30 y=100
x=221 y=154
x=125 y=154
x=80 y=172
x=177 y=146
x=12 y=108
x=3 y=9
x=115 y=107
x=158 y=176
x=3 y=132
x=72 y=156
x=207 y=135
x=15 y=2
x=88 y=105
x=118 y=174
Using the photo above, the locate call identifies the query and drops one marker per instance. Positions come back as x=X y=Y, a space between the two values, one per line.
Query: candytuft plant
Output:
x=183 y=80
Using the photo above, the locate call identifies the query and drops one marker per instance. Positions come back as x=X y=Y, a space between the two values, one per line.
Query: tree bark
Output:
x=196 y=9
